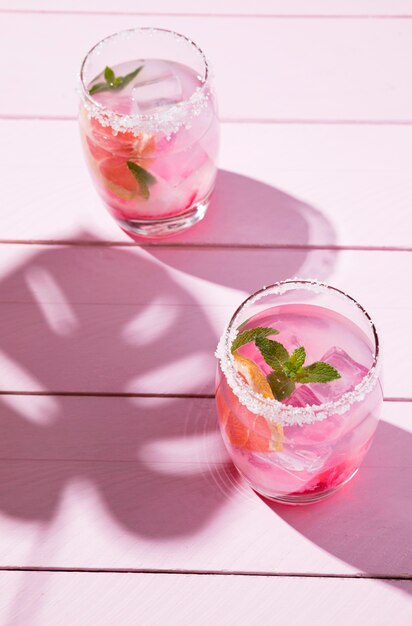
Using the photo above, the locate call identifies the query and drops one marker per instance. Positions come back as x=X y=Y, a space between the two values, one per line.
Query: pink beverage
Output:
x=305 y=446
x=150 y=130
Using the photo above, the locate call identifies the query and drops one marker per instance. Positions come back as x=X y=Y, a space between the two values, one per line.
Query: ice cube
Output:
x=302 y=396
x=115 y=101
x=160 y=88
x=317 y=432
x=178 y=166
x=351 y=375
x=288 y=339
x=301 y=460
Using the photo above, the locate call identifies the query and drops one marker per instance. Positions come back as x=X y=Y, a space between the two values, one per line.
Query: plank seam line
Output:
x=134 y=462
x=233 y=120
x=202 y=246
x=108 y=394
x=280 y=16
x=113 y=394
x=198 y=572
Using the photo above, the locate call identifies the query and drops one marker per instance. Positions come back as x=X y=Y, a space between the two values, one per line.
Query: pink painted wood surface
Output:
x=313 y=69
x=145 y=483
x=129 y=599
x=91 y=318
x=322 y=185
x=297 y=8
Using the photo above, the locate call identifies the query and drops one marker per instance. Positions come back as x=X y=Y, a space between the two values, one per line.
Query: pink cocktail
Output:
x=149 y=128
x=298 y=407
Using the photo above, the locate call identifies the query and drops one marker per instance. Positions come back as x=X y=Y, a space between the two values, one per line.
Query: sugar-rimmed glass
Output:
x=151 y=145
x=305 y=448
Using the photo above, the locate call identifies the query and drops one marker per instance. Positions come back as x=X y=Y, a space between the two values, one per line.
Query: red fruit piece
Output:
x=96 y=151
x=236 y=431
x=259 y=435
x=116 y=171
x=141 y=145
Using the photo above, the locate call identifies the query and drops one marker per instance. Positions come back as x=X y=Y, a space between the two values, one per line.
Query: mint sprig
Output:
x=274 y=353
x=317 y=372
x=297 y=359
x=113 y=82
x=287 y=369
x=282 y=387
x=143 y=177
x=251 y=335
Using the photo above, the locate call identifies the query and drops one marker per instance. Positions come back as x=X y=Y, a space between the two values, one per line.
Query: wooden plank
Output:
x=147 y=431
x=92 y=319
x=151 y=431
x=73 y=598
x=144 y=483
x=310 y=70
x=314 y=189
x=98 y=319
x=267 y=8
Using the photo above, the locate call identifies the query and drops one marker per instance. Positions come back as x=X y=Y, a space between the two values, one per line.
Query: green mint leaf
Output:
x=98 y=88
x=296 y=359
x=143 y=177
x=109 y=75
x=318 y=372
x=113 y=81
x=282 y=386
x=274 y=353
x=129 y=77
x=251 y=335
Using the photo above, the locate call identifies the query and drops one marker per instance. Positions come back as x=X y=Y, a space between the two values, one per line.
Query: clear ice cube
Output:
x=302 y=460
x=176 y=167
x=288 y=339
x=302 y=396
x=319 y=431
x=161 y=88
x=351 y=375
x=292 y=459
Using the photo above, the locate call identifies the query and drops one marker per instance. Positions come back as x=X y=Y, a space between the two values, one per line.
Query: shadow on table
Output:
x=103 y=319
x=366 y=524
x=94 y=318
x=246 y=213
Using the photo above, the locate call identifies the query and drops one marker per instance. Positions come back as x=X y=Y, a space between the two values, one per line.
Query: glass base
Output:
x=166 y=226
x=299 y=499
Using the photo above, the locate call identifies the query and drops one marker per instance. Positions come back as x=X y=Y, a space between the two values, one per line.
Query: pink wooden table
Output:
x=117 y=501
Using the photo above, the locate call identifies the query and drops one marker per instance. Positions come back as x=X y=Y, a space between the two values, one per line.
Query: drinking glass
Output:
x=149 y=128
x=305 y=447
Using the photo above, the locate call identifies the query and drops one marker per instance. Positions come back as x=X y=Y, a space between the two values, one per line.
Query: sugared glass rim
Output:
x=272 y=409
x=170 y=119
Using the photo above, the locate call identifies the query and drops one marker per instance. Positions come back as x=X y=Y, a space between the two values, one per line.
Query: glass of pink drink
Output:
x=149 y=128
x=298 y=442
